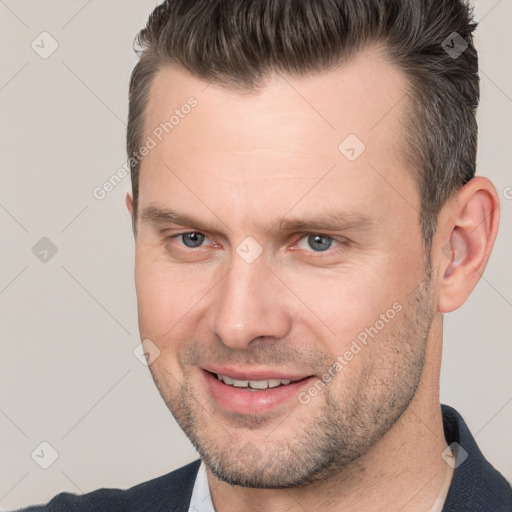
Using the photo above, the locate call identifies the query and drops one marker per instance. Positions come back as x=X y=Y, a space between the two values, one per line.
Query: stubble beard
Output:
x=340 y=430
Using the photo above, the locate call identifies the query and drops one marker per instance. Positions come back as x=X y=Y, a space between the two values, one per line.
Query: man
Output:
x=305 y=210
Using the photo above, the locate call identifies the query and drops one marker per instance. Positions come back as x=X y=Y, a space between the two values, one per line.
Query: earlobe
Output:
x=472 y=225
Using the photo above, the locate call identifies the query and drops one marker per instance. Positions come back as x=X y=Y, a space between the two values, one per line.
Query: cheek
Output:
x=159 y=311
x=351 y=304
x=167 y=297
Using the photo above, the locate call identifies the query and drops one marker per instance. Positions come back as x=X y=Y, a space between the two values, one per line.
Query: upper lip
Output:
x=254 y=374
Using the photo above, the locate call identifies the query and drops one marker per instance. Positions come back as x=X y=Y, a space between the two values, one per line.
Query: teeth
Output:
x=253 y=384
x=228 y=380
x=258 y=384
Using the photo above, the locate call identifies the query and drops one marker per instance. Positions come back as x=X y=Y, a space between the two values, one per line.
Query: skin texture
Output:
x=240 y=163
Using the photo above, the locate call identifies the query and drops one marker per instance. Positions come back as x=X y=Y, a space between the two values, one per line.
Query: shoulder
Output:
x=476 y=484
x=170 y=492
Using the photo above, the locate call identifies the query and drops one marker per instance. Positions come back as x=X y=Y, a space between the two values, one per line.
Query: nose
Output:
x=250 y=303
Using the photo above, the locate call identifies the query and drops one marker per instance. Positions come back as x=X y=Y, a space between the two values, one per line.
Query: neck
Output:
x=403 y=471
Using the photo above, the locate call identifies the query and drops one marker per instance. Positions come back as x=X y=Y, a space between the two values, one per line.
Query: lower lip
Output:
x=253 y=402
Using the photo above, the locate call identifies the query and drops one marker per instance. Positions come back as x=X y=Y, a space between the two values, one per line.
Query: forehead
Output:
x=353 y=98
x=282 y=140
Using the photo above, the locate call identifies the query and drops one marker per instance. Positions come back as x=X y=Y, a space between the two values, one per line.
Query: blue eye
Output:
x=318 y=243
x=192 y=239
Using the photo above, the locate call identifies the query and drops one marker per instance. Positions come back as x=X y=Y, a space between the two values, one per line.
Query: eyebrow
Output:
x=328 y=220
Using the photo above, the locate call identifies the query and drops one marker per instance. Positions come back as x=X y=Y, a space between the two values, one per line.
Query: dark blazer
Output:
x=476 y=486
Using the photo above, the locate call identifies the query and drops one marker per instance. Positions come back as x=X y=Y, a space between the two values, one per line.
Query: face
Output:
x=280 y=270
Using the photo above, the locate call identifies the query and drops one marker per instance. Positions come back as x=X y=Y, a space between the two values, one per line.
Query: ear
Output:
x=129 y=203
x=468 y=229
x=129 y=206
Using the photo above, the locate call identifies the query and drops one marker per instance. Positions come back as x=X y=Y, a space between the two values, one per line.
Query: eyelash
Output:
x=303 y=236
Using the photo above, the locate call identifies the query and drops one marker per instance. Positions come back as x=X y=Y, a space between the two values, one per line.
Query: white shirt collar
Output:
x=201 y=500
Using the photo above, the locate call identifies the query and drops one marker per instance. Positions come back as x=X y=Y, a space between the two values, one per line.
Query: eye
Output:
x=192 y=239
x=317 y=242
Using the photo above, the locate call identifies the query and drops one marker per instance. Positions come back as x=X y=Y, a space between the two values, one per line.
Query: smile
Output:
x=250 y=392
x=253 y=384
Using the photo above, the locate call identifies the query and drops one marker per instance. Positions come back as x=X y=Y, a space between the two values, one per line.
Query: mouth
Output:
x=254 y=393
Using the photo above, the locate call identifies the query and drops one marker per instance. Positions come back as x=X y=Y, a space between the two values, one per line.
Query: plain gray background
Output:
x=69 y=324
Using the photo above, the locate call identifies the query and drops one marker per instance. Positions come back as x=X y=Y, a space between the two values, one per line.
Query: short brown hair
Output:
x=239 y=43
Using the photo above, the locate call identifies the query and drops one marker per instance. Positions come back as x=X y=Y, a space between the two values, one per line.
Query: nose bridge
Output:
x=249 y=304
